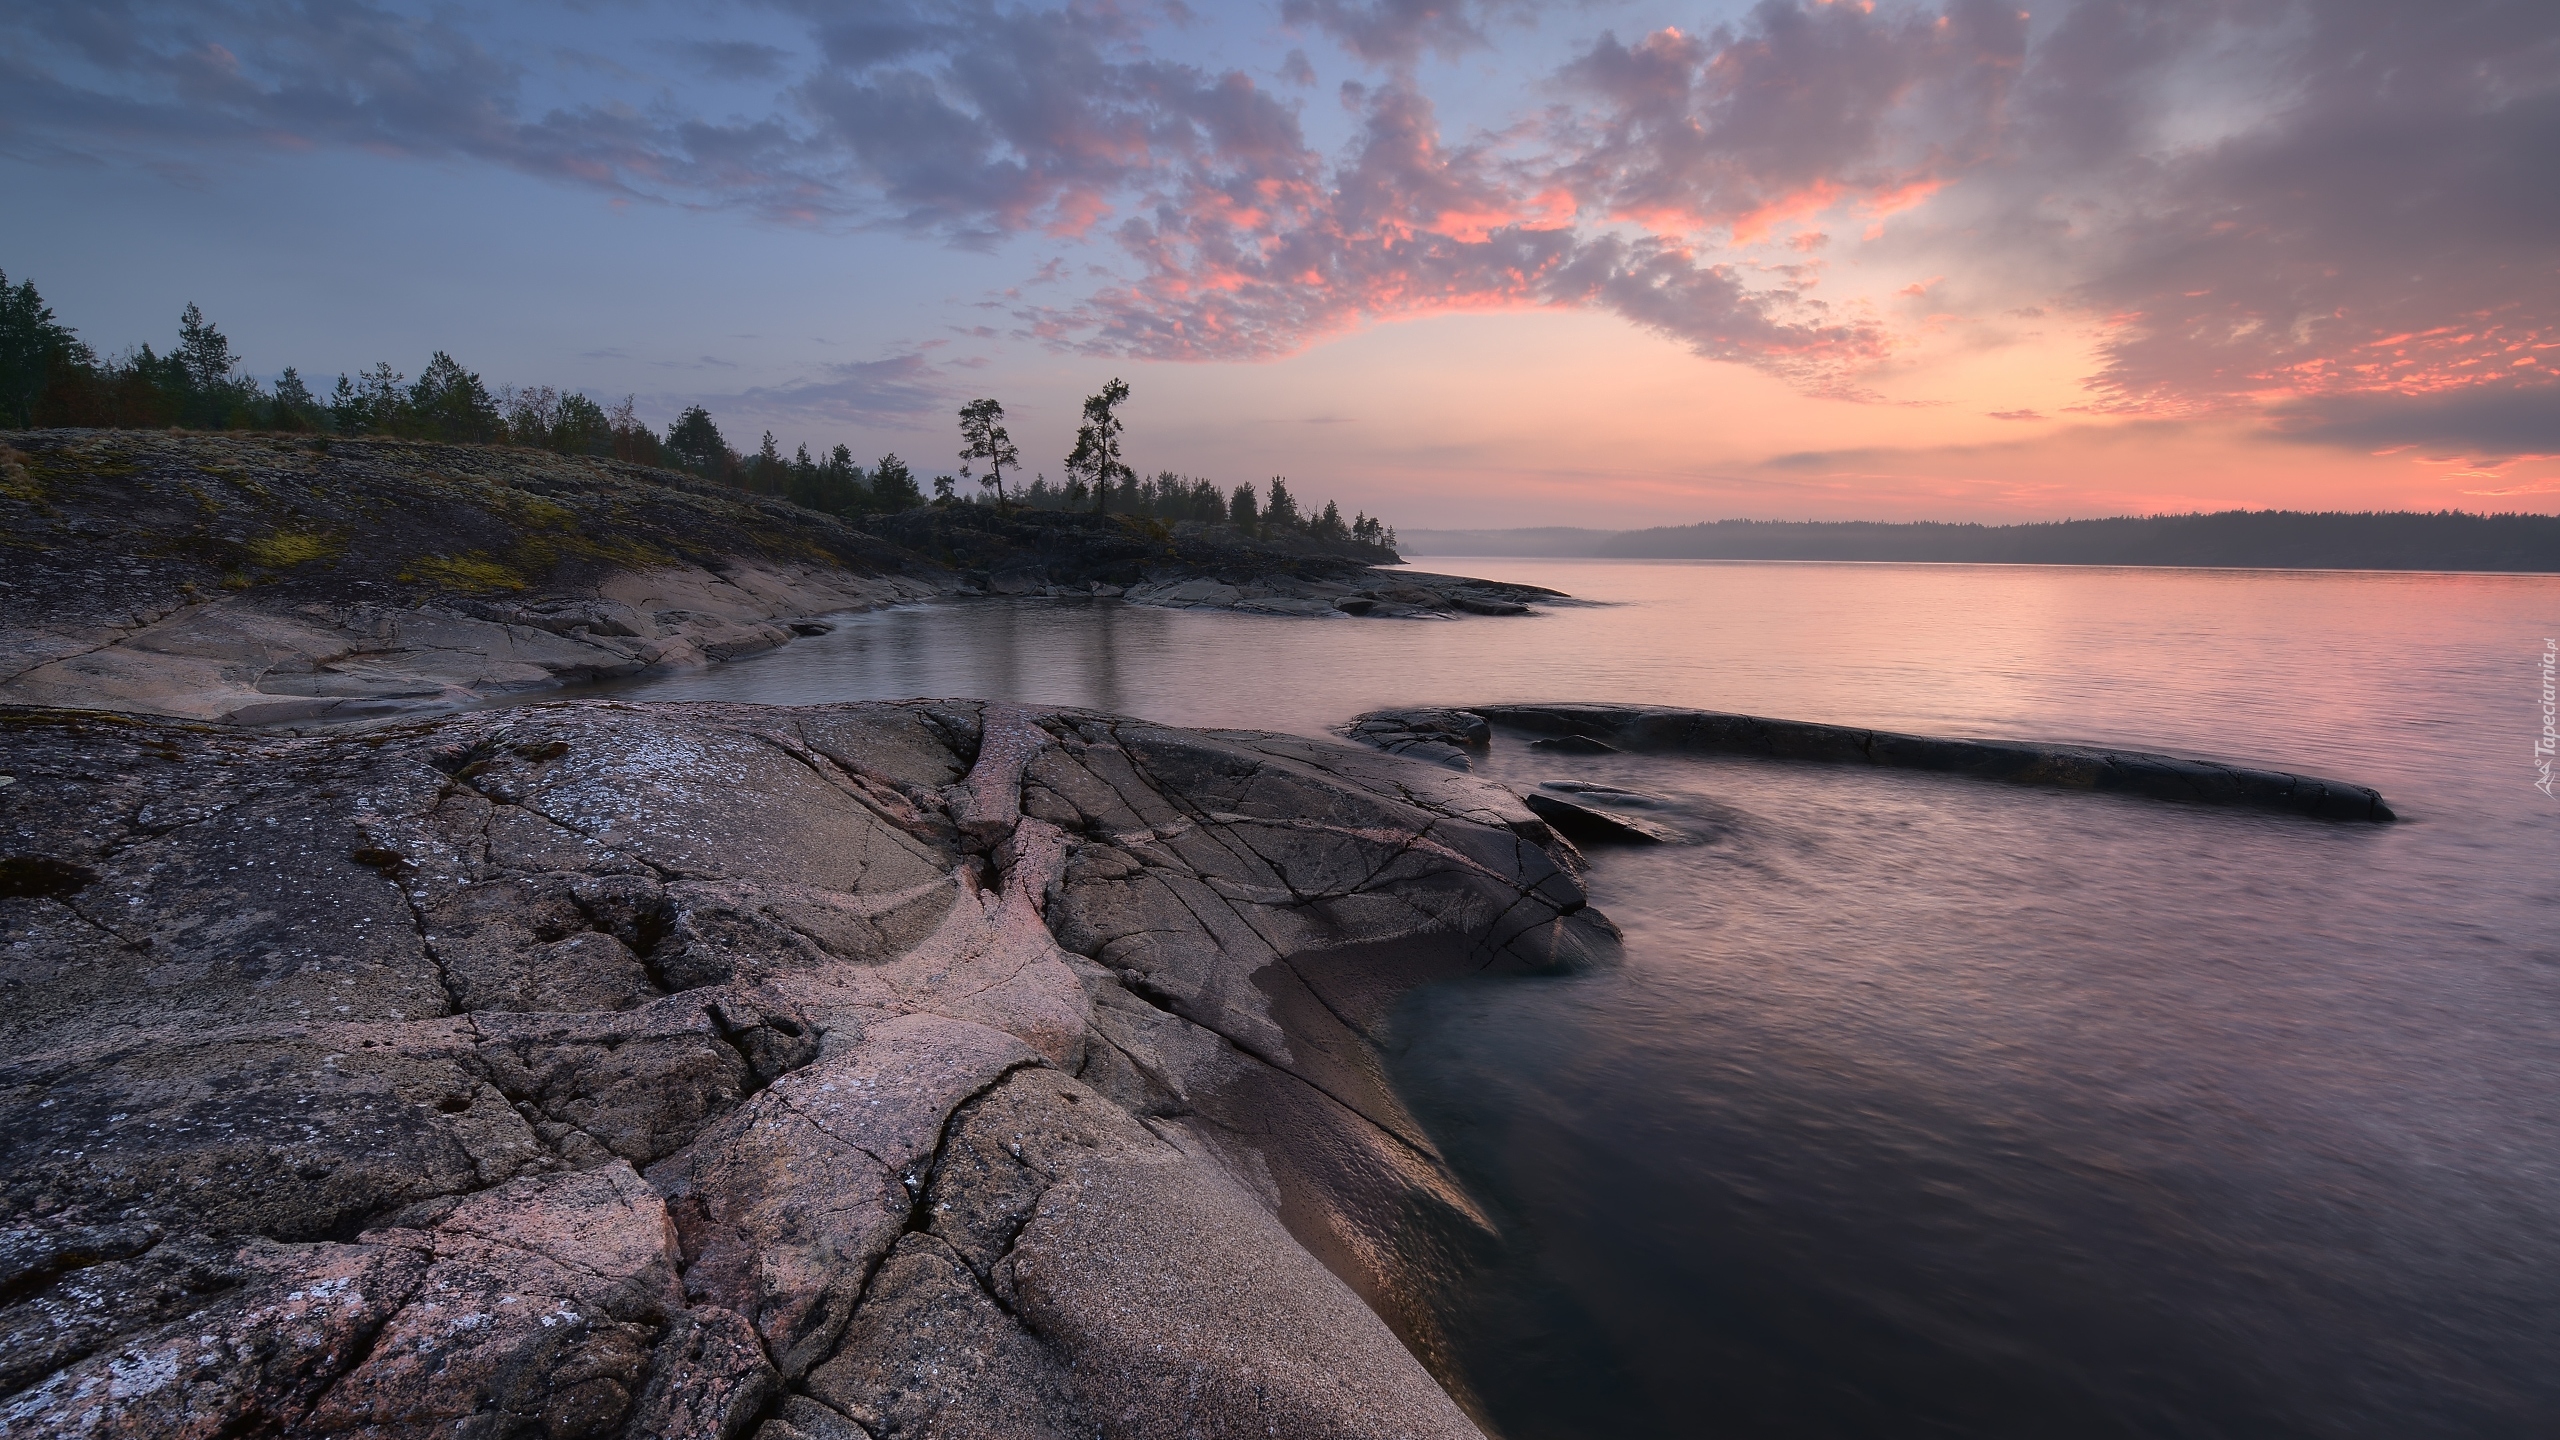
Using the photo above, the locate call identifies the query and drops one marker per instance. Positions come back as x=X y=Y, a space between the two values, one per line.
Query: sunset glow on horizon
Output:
x=1463 y=265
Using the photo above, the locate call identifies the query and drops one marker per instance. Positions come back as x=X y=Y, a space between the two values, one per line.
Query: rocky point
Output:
x=288 y=579
x=931 y=1068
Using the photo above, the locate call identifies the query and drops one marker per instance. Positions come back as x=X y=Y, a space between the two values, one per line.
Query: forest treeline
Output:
x=2247 y=539
x=50 y=377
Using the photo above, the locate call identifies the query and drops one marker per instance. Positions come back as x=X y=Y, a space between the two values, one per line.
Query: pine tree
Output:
x=449 y=403
x=1095 y=462
x=294 y=406
x=697 y=444
x=767 y=474
x=33 y=350
x=202 y=366
x=368 y=404
x=203 y=352
x=841 y=483
x=1280 y=512
x=983 y=437
x=893 y=485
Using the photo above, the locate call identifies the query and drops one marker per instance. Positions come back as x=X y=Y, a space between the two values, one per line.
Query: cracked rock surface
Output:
x=915 y=1069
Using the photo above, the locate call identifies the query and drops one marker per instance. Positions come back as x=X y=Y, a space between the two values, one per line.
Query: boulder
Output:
x=1441 y=736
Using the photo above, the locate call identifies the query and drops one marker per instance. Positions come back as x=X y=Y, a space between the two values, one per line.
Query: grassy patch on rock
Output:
x=287 y=548
x=100 y=521
x=473 y=574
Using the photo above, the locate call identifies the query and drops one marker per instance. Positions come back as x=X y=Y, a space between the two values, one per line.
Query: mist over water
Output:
x=1928 y=1106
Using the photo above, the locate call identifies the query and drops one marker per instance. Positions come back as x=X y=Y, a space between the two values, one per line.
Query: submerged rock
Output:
x=1664 y=729
x=1590 y=824
x=1602 y=729
x=1609 y=794
x=1444 y=737
x=600 y=1069
x=1573 y=745
x=1363 y=591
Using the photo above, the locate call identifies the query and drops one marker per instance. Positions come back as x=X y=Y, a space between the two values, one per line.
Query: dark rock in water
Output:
x=598 y=1069
x=1573 y=745
x=1663 y=729
x=1365 y=592
x=1600 y=729
x=1589 y=824
x=1608 y=794
x=1443 y=737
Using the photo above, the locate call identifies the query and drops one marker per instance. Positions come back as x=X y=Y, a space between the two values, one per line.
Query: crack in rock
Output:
x=614 y=1069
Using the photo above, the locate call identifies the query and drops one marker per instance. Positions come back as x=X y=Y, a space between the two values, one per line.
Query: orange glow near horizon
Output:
x=1495 y=418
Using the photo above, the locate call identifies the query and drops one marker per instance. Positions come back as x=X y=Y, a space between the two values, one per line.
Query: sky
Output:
x=1457 y=264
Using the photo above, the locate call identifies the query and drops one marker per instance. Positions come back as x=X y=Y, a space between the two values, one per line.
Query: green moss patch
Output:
x=287 y=548
x=473 y=574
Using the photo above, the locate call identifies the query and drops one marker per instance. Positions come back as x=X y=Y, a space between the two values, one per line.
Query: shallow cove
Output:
x=1924 y=1104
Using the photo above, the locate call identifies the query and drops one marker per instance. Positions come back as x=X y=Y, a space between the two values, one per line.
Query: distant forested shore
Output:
x=2242 y=539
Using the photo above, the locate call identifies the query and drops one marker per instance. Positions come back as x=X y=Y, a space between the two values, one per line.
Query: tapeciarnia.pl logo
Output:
x=2549 y=740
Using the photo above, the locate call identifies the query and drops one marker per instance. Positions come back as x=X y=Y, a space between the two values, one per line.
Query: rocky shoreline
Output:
x=275 y=580
x=1191 y=566
x=596 y=1069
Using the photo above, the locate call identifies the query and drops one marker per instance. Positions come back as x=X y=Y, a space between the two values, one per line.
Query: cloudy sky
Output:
x=1463 y=264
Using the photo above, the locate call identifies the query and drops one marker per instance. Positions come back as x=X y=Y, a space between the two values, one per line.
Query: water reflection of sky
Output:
x=1929 y=1105
x=2411 y=682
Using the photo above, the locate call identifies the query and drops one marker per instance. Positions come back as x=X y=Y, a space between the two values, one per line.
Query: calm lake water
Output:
x=1923 y=1106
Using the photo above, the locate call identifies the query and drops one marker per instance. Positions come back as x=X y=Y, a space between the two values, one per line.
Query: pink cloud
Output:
x=1251 y=265
x=1802 y=110
x=2360 y=254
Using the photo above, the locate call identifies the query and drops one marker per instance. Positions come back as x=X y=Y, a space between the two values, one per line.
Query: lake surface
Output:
x=1925 y=1106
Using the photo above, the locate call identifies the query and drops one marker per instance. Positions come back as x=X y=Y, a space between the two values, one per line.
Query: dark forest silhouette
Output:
x=2250 y=539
